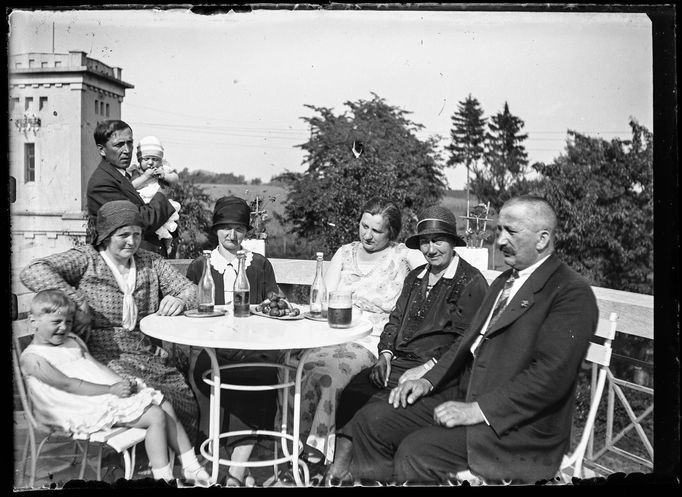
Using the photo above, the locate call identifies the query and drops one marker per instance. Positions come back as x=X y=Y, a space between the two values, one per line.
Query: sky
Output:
x=226 y=92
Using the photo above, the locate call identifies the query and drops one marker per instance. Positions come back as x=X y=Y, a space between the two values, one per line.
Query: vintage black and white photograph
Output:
x=338 y=245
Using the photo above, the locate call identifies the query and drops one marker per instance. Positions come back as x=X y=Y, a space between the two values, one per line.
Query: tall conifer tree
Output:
x=505 y=160
x=467 y=135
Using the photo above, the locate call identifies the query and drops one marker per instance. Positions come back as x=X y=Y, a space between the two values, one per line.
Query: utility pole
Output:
x=52 y=36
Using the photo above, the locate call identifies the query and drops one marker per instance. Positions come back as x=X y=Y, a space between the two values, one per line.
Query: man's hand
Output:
x=408 y=392
x=415 y=373
x=381 y=371
x=170 y=306
x=453 y=413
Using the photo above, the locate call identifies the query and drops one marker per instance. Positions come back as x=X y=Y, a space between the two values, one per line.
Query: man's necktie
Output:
x=128 y=175
x=504 y=298
x=499 y=307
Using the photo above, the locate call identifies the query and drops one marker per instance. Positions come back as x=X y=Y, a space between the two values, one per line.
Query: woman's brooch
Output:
x=524 y=304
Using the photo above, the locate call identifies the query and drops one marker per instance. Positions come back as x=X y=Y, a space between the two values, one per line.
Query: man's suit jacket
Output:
x=107 y=184
x=524 y=373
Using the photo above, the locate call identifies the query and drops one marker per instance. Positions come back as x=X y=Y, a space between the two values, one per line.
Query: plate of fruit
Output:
x=276 y=307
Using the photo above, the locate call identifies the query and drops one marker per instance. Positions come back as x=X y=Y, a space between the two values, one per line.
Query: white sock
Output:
x=189 y=460
x=164 y=472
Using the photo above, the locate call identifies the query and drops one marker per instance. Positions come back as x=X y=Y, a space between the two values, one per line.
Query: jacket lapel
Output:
x=485 y=309
x=525 y=296
x=126 y=186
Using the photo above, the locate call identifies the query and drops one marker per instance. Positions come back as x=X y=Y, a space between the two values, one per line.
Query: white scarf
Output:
x=127 y=287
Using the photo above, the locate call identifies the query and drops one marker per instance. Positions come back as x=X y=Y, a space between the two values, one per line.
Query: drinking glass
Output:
x=340 y=309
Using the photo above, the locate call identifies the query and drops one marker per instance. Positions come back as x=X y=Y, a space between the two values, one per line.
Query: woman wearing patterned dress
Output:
x=115 y=284
x=373 y=269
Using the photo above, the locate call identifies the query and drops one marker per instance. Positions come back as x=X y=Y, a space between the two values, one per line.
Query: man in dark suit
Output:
x=110 y=181
x=498 y=408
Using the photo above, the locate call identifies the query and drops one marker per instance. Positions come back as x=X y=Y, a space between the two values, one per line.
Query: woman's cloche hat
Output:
x=115 y=214
x=231 y=210
x=435 y=220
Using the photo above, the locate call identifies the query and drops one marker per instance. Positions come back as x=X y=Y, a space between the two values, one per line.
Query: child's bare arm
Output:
x=86 y=353
x=139 y=181
x=41 y=369
x=168 y=175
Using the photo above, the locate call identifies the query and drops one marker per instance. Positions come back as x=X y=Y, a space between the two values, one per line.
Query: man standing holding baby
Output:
x=110 y=181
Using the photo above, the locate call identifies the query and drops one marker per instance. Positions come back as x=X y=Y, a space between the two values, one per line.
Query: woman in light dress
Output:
x=373 y=270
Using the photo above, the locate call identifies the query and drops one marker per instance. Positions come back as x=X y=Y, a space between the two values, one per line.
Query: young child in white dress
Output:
x=74 y=392
x=148 y=176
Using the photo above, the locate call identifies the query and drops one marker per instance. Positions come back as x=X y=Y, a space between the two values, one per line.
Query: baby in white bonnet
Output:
x=149 y=175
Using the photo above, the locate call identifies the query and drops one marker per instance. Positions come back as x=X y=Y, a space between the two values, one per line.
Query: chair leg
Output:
x=84 y=462
x=132 y=461
x=128 y=468
x=99 y=462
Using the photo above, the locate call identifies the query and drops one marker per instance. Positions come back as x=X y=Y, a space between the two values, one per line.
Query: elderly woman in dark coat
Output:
x=115 y=284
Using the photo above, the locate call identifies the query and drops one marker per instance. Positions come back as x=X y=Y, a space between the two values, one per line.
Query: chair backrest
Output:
x=20 y=381
x=599 y=354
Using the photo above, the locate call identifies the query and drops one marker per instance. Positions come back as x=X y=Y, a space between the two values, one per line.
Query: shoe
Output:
x=233 y=481
x=199 y=477
x=344 y=480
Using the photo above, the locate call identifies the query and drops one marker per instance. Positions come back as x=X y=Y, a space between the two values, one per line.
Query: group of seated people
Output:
x=457 y=381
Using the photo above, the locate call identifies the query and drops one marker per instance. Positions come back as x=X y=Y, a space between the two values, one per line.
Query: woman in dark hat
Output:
x=115 y=284
x=243 y=410
x=434 y=309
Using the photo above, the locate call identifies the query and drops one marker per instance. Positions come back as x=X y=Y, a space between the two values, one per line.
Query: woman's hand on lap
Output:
x=170 y=306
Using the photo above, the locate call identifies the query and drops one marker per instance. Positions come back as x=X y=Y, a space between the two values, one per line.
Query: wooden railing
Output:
x=635 y=317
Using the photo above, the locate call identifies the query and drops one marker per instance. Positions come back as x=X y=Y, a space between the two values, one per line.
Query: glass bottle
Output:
x=241 y=288
x=318 y=291
x=206 y=287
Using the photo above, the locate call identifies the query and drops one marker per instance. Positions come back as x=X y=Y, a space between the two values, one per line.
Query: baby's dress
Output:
x=83 y=414
x=147 y=191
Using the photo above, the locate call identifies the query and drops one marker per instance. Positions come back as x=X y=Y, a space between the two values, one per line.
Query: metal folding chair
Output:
x=122 y=440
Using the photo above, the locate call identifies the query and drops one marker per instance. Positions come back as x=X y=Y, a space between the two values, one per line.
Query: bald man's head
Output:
x=540 y=213
x=525 y=230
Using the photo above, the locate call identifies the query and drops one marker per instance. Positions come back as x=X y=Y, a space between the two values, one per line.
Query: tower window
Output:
x=28 y=102
x=29 y=162
x=42 y=102
x=107 y=110
x=96 y=106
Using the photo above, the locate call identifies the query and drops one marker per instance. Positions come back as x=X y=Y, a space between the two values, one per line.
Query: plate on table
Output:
x=307 y=315
x=281 y=318
x=194 y=313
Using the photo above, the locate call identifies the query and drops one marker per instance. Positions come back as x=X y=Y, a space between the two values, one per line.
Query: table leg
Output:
x=214 y=415
x=297 y=421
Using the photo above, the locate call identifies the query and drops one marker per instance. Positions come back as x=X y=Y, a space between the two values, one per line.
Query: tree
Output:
x=372 y=150
x=504 y=160
x=468 y=135
x=195 y=216
x=603 y=194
